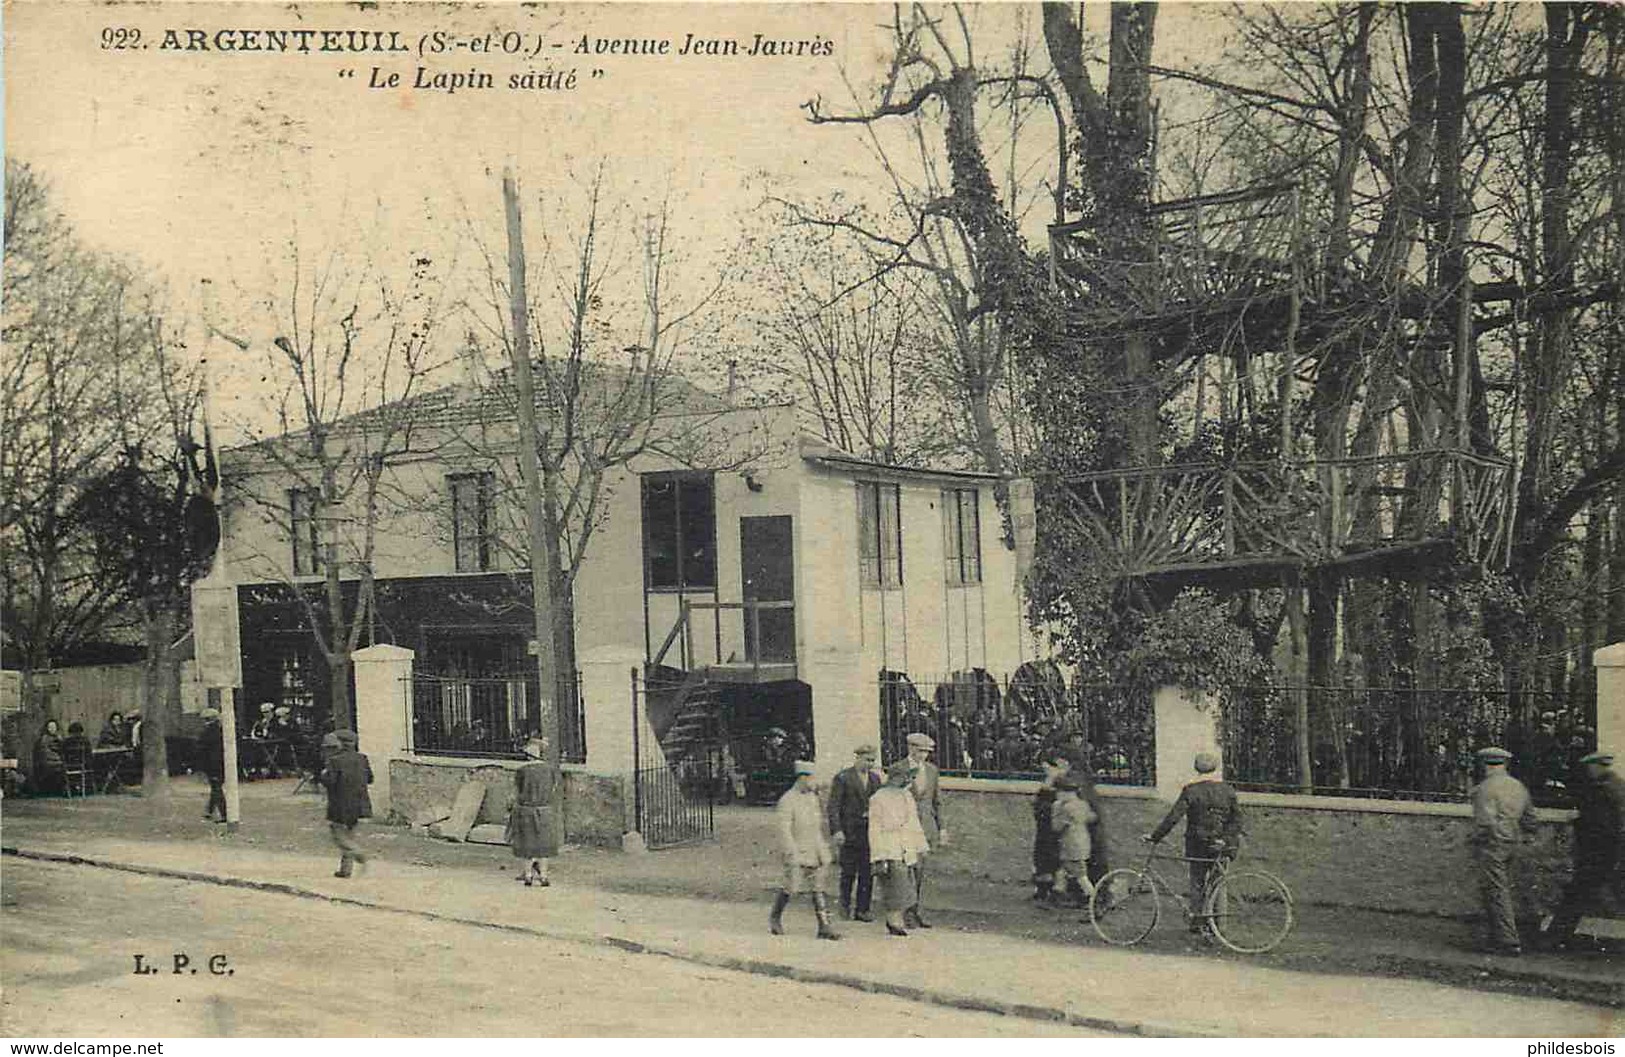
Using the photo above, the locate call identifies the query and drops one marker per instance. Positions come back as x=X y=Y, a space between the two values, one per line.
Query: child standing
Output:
x=1070 y=821
x=1046 y=841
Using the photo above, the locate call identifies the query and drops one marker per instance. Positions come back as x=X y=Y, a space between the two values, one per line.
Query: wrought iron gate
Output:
x=672 y=796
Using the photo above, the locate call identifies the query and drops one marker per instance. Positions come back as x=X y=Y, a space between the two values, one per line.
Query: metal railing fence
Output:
x=491 y=716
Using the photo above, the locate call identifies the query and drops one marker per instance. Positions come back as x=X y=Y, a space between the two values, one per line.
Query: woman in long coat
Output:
x=533 y=824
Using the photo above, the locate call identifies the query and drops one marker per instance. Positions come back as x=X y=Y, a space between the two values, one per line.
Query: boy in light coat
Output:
x=1070 y=821
x=804 y=842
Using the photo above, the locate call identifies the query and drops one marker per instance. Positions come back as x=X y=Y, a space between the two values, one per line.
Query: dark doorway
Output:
x=768 y=572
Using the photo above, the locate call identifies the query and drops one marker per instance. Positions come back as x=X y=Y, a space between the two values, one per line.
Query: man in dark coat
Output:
x=211 y=760
x=1599 y=846
x=848 y=809
x=346 y=777
x=1212 y=816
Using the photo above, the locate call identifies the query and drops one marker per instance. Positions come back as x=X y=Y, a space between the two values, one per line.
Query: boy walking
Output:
x=804 y=840
x=346 y=776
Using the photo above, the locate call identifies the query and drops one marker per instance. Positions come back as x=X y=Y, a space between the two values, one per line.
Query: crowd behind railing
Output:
x=1393 y=743
x=494 y=716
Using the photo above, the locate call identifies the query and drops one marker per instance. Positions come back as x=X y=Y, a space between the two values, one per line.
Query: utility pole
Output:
x=530 y=472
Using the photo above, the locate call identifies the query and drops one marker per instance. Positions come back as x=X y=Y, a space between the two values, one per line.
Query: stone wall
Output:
x=1375 y=854
x=594 y=804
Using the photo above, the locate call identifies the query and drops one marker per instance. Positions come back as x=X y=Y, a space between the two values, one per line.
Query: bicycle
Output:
x=1249 y=911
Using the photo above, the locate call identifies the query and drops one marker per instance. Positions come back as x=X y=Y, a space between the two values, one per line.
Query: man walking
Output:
x=211 y=760
x=1212 y=816
x=924 y=784
x=1502 y=813
x=849 y=822
x=1599 y=837
x=346 y=776
x=804 y=840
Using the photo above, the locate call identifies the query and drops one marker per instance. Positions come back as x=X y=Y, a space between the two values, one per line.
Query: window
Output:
x=962 y=535
x=880 y=535
x=471 y=521
x=680 y=531
x=302 y=506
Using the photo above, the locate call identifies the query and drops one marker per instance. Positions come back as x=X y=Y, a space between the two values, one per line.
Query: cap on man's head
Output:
x=1602 y=759
x=921 y=741
x=865 y=750
x=805 y=767
x=267 y=707
x=1205 y=763
x=1493 y=754
x=210 y=713
x=899 y=768
x=331 y=741
x=347 y=737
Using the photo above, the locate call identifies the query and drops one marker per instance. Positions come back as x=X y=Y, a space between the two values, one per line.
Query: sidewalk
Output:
x=707 y=904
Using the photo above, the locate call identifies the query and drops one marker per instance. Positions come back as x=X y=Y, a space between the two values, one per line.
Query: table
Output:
x=107 y=764
x=266 y=754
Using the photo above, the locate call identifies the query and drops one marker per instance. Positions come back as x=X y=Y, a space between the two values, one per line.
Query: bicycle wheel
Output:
x=1124 y=907
x=1251 y=911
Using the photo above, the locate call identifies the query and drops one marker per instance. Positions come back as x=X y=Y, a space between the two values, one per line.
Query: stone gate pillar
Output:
x=1610 y=663
x=1187 y=723
x=383 y=713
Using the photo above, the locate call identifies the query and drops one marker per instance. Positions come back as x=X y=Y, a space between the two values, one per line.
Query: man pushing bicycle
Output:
x=1212 y=816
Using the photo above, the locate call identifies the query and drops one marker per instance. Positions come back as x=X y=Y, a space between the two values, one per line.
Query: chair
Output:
x=77 y=776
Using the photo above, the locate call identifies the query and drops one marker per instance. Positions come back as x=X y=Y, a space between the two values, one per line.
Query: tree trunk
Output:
x=158 y=625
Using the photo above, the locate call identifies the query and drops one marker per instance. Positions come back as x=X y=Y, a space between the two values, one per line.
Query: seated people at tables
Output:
x=114 y=735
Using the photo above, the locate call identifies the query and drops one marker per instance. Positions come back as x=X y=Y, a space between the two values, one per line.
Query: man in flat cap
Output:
x=211 y=760
x=1502 y=813
x=849 y=822
x=804 y=842
x=346 y=775
x=1212 y=814
x=1599 y=836
x=924 y=784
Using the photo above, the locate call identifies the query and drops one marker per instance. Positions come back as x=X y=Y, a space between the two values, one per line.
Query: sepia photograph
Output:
x=986 y=520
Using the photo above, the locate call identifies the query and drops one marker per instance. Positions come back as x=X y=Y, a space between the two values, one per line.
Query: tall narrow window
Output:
x=471 y=527
x=680 y=531
x=962 y=535
x=880 y=534
x=304 y=530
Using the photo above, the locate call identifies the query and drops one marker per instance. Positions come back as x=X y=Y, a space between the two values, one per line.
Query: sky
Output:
x=194 y=163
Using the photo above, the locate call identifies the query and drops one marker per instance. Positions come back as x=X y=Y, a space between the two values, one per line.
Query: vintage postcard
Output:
x=812 y=520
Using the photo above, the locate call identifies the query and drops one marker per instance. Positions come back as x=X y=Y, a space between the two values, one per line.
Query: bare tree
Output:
x=606 y=388
x=351 y=349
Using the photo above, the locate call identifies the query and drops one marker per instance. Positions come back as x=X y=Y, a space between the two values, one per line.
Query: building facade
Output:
x=764 y=579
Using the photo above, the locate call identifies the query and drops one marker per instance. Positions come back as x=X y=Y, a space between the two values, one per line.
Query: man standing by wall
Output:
x=1599 y=837
x=1502 y=813
x=928 y=800
x=849 y=822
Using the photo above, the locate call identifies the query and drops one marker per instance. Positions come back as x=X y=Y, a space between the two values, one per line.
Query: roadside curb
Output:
x=755 y=966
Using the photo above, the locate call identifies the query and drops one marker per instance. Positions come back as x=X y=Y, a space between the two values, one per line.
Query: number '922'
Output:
x=120 y=38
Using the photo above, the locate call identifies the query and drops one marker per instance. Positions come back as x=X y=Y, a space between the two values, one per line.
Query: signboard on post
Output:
x=216 y=639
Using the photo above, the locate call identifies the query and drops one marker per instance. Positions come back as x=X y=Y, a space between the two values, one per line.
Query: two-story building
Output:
x=759 y=577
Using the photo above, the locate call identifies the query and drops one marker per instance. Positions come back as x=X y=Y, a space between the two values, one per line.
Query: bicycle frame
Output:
x=1216 y=868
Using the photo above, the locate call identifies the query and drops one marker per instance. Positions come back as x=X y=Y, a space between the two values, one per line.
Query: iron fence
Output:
x=987 y=727
x=674 y=804
x=491 y=716
x=1397 y=743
